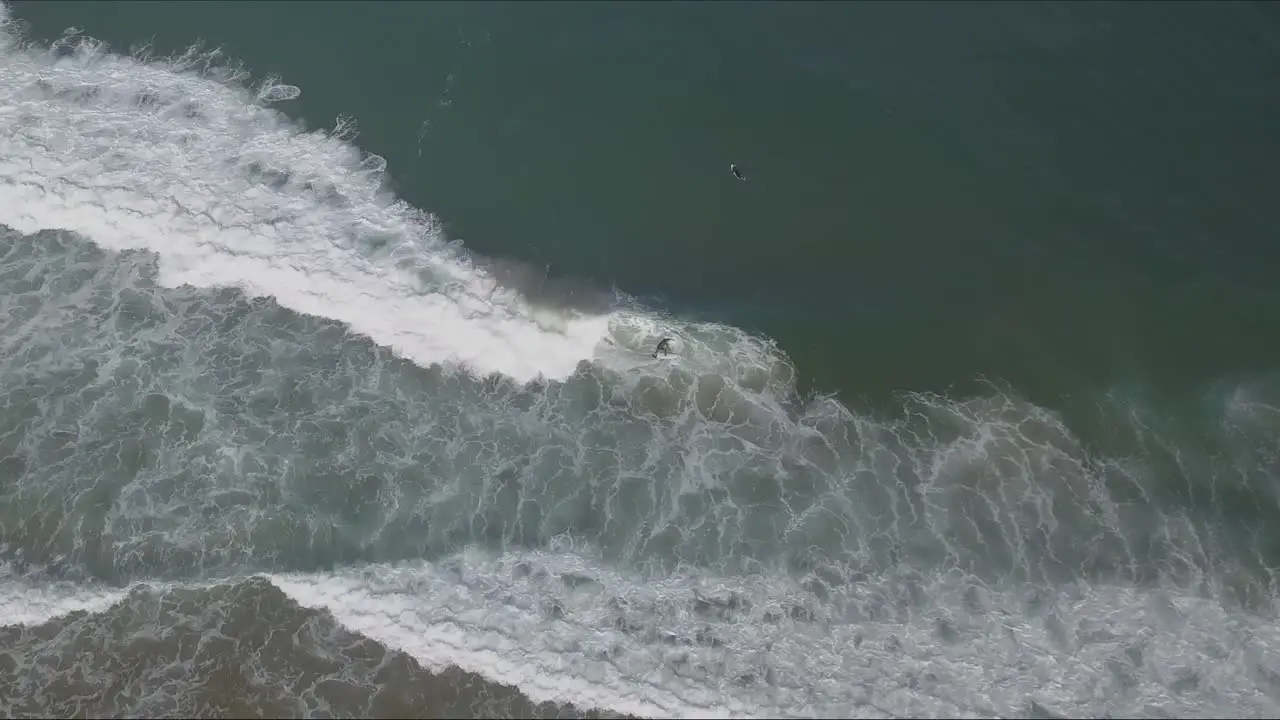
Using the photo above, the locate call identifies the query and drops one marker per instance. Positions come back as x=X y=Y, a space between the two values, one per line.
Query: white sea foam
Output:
x=29 y=603
x=949 y=648
x=193 y=167
x=942 y=647
x=159 y=155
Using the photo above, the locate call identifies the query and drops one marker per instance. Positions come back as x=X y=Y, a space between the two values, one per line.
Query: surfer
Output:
x=664 y=347
x=733 y=168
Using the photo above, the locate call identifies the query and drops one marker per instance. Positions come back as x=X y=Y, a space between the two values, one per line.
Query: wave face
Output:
x=270 y=444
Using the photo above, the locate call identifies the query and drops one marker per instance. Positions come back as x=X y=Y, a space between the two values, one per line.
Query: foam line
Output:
x=161 y=156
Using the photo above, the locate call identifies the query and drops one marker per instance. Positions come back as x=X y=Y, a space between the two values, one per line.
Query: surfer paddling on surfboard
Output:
x=733 y=168
x=664 y=347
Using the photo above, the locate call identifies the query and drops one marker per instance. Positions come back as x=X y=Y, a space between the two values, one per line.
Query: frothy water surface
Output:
x=239 y=380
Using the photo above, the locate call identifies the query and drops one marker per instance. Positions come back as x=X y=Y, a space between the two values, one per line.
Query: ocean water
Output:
x=347 y=408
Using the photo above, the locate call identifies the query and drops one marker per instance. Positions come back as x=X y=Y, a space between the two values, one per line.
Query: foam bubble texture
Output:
x=665 y=537
x=238 y=648
x=175 y=156
x=694 y=545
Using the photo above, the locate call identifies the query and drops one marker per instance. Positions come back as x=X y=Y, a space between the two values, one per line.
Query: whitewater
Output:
x=231 y=357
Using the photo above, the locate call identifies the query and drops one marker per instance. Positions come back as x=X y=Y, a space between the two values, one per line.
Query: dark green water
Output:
x=1030 y=248
x=1064 y=195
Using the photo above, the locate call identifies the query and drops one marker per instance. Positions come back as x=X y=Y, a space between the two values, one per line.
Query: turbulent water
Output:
x=271 y=445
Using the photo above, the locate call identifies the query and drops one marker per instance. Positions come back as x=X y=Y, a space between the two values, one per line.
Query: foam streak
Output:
x=230 y=193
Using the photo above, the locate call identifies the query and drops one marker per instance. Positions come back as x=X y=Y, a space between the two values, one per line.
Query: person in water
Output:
x=733 y=168
x=664 y=347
